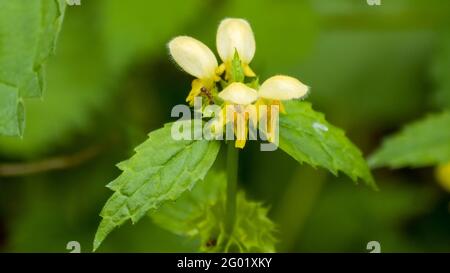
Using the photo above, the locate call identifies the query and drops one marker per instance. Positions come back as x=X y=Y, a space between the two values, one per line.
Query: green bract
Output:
x=237 y=73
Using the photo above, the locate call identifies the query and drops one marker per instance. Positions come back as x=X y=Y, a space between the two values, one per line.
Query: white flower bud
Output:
x=235 y=34
x=193 y=56
x=238 y=93
x=282 y=88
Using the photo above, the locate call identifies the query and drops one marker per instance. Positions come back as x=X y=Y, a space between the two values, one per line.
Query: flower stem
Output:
x=232 y=168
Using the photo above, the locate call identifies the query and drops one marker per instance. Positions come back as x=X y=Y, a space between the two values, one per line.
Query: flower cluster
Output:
x=233 y=82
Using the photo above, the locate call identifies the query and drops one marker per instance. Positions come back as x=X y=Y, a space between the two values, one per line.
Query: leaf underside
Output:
x=308 y=137
x=422 y=143
x=161 y=170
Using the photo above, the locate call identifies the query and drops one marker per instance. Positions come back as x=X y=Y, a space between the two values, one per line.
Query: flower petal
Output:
x=238 y=93
x=235 y=34
x=282 y=88
x=193 y=56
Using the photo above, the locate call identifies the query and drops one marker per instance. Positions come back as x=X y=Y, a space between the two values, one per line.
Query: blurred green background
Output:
x=371 y=69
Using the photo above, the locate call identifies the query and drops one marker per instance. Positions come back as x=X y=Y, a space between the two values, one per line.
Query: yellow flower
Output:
x=282 y=88
x=196 y=59
x=443 y=175
x=279 y=88
x=236 y=35
x=273 y=91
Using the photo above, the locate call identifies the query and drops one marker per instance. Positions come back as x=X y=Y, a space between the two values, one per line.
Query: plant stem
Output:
x=232 y=168
x=54 y=163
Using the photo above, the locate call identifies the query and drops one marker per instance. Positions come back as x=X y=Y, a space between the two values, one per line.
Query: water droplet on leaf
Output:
x=319 y=127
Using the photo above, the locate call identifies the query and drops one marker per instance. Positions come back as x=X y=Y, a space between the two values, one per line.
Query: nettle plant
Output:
x=180 y=183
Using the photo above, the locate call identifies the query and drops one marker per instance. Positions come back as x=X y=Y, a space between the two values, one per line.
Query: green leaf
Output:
x=11 y=111
x=183 y=216
x=78 y=87
x=308 y=137
x=161 y=170
x=253 y=230
x=26 y=43
x=200 y=214
x=422 y=143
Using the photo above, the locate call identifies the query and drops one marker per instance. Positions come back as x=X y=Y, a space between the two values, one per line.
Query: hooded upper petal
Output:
x=193 y=56
x=239 y=93
x=235 y=34
x=282 y=88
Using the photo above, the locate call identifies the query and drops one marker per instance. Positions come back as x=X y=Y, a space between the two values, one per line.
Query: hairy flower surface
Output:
x=239 y=93
x=236 y=35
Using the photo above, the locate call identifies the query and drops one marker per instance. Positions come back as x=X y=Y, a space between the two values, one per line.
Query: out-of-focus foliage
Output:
x=308 y=137
x=77 y=81
x=423 y=143
x=161 y=170
x=358 y=86
x=272 y=54
x=26 y=43
x=371 y=69
x=47 y=211
x=200 y=214
x=441 y=72
x=135 y=29
x=390 y=216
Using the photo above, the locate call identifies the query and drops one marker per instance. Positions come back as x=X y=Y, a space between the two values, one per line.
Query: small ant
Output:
x=207 y=94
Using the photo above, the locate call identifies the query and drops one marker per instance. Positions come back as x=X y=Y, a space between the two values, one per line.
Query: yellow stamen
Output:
x=239 y=117
x=270 y=131
x=248 y=72
x=241 y=135
x=221 y=69
x=196 y=85
x=280 y=104
x=240 y=144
